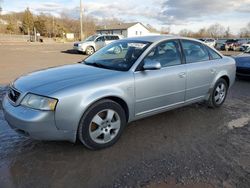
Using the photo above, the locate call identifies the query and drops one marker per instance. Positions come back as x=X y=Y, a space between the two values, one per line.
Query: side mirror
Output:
x=151 y=65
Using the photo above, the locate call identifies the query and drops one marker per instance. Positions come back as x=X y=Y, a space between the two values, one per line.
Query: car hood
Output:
x=242 y=60
x=85 y=42
x=242 y=55
x=48 y=81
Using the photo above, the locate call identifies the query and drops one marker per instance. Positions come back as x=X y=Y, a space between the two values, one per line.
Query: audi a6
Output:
x=129 y=79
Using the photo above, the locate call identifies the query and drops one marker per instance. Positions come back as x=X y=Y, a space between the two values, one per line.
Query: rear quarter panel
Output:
x=225 y=67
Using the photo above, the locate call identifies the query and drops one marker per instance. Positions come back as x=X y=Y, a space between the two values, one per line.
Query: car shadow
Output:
x=243 y=78
x=72 y=51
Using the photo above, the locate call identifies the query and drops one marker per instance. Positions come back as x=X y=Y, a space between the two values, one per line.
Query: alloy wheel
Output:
x=220 y=93
x=104 y=126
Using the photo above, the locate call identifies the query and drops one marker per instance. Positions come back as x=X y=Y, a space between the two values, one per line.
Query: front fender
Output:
x=72 y=106
x=107 y=93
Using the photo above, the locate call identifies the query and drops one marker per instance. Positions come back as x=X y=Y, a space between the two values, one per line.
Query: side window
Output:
x=213 y=54
x=108 y=37
x=167 y=53
x=194 y=51
x=100 y=39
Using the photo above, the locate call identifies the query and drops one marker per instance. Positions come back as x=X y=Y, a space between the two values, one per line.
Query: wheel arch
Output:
x=114 y=98
x=226 y=78
x=92 y=46
x=224 y=75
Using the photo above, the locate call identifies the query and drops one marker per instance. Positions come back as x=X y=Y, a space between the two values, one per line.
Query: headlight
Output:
x=39 y=102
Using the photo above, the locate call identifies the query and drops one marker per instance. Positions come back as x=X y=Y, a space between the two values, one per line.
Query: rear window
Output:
x=111 y=37
x=210 y=40
x=213 y=54
x=194 y=51
x=231 y=41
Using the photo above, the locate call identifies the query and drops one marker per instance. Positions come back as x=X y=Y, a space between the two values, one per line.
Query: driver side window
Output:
x=100 y=39
x=166 y=53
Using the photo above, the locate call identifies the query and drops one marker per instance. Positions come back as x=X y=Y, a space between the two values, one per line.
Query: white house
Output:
x=125 y=29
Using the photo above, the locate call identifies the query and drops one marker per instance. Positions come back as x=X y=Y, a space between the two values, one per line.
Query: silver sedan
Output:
x=127 y=80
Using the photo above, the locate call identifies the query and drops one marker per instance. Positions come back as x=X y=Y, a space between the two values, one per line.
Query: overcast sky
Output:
x=178 y=14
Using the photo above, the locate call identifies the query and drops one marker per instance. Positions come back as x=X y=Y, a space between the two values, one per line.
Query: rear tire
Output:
x=102 y=125
x=219 y=94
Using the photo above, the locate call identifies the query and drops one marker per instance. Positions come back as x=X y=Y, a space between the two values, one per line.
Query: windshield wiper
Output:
x=96 y=65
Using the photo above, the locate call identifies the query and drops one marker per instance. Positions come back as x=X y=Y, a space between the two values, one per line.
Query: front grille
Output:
x=13 y=94
x=76 y=45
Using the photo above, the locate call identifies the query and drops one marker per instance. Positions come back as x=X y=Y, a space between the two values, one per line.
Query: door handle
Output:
x=182 y=74
x=212 y=71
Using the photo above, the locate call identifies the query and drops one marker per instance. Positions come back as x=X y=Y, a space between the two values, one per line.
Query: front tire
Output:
x=90 y=50
x=219 y=93
x=102 y=125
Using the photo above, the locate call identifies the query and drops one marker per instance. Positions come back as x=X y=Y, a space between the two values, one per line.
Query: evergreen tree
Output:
x=40 y=26
x=28 y=22
x=10 y=28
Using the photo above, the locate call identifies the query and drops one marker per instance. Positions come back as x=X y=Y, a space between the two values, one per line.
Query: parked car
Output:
x=94 y=43
x=243 y=64
x=245 y=46
x=94 y=100
x=233 y=44
x=220 y=43
x=210 y=42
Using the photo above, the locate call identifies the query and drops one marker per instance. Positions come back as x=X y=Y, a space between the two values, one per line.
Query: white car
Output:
x=245 y=46
x=210 y=42
x=94 y=43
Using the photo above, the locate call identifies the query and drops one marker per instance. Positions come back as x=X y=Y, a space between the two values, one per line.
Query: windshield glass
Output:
x=120 y=55
x=91 y=38
x=231 y=41
x=247 y=50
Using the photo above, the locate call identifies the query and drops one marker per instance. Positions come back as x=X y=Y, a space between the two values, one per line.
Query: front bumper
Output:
x=37 y=124
x=243 y=71
x=78 y=48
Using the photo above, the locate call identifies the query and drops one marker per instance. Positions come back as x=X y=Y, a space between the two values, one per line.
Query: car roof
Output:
x=157 y=38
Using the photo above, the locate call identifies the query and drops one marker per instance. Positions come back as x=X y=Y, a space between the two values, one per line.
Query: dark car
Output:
x=243 y=64
x=233 y=44
x=220 y=44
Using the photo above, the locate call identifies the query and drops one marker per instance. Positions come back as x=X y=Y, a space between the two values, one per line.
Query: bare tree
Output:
x=202 y=33
x=186 y=33
x=1 y=9
x=216 y=31
x=165 y=30
x=245 y=31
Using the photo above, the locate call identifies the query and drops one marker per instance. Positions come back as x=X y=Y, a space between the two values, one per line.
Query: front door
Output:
x=100 y=42
x=157 y=90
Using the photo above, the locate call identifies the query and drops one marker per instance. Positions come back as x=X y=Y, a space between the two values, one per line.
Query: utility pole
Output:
x=53 y=26
x=81 y=16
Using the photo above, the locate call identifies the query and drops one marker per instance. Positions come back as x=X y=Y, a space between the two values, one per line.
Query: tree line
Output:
x=216 y=31
x=46 y=24
x=49 y=26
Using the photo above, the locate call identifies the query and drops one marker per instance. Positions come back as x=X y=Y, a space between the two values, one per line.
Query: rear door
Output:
x=200 y=70
x=156 y=90
x=100 y=42
x=110 y=38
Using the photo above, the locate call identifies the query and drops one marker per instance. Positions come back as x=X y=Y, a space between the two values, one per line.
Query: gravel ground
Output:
x=191 y=147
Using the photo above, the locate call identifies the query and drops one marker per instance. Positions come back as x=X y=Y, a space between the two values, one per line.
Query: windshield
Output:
x=120 y=55
x=247 y=50
x=91 y=38
x=231 y=41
